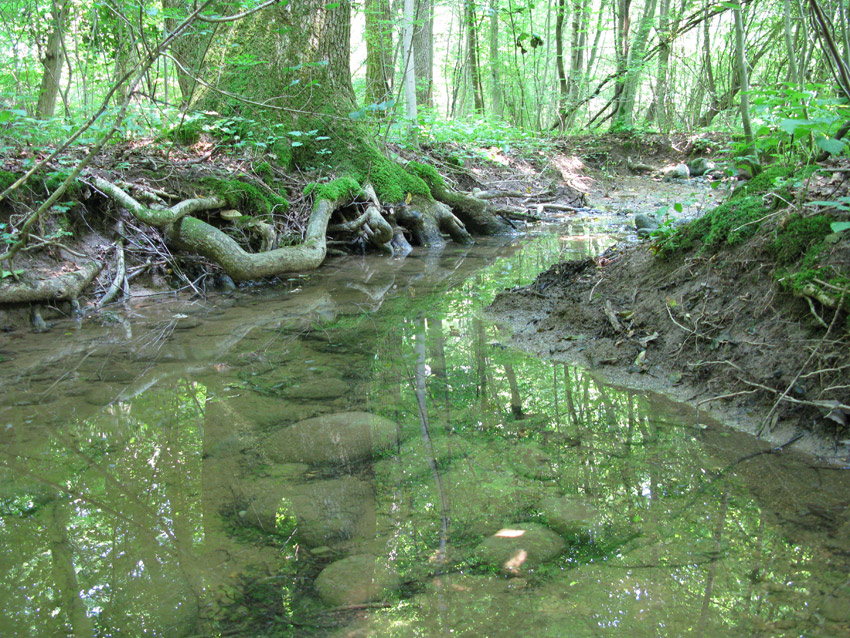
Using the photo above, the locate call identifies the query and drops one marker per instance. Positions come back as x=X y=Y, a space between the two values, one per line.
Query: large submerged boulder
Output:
x=520 y=548
x=570 y=516
x=317 y=512
x=345 y=437
x=355 y=580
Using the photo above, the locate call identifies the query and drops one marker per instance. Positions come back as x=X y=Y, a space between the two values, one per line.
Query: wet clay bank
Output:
x=357 y=453
x=724 y=326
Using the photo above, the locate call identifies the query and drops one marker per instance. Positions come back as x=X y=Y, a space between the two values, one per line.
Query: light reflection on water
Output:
x=159 y=478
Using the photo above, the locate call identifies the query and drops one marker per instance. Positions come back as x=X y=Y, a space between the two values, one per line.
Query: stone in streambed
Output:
x=344 y=437
x=520 y=548
x=569 y=516
x=645 y=224
x=318 y=512
x=355 y=580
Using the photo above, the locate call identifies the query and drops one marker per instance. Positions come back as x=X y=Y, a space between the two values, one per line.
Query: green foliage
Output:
x=792 y=119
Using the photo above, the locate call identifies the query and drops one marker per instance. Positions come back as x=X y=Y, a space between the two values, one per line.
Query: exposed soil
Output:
x=712 y=329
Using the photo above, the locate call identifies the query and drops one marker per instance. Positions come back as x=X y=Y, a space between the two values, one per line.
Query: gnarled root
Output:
x=192 y=234
x=61 y=287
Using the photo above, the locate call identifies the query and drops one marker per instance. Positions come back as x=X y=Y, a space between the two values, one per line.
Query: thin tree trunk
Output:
x=409 y=71
x=560 y=15
x=628 y=97
x=472 y=52
x=496 y=103
x=743 y=73
x=379 y=50
x=53 y=61
x=423 y=52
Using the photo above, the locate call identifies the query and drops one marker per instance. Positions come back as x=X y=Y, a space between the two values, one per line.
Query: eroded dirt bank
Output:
x=713 y=328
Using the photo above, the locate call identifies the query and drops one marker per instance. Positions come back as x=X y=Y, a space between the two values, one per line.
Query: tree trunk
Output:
x=423 y=52
x=496 y=98
x=560 y=15
x=409 y=69
x=628 y=96
x=53 y=61
x=472 y=53
x=379 y=50
x=743 y=73
x=622 y=24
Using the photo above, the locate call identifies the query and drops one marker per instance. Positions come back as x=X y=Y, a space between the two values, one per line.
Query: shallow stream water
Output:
x=357 y=453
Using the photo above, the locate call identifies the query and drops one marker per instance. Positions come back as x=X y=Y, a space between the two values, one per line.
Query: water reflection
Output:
x=356 y=453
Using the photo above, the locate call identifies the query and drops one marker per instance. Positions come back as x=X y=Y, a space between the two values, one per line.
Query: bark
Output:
x=192 y=234
x=61 y=287
x=409 y=68
x=423 y=52
x=379 y=50
x=743 y=73
x=53 y=61
x=190 y=48
x=472 y=53
x=637 y=49
x=496 y=98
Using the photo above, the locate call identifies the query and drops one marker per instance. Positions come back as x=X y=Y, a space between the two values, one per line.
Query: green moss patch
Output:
x=800 y=235
x=248 y=197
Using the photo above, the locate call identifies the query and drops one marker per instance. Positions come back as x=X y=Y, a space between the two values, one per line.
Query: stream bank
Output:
x=712 y=325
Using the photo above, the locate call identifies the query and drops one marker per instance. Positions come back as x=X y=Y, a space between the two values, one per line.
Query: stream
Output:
x=358 y=453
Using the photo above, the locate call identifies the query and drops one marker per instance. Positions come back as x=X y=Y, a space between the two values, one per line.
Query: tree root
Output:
x=194 y=235
x=65 y=287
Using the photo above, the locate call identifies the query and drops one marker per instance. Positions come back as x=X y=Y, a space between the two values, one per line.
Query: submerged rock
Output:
x=316 y=388
x=520 y=548
x=318 y=512
x=569 y=516
x=529 y=460
x=345 y=437
x=355 y=580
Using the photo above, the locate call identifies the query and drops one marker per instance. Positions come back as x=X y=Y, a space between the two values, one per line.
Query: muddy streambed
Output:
x=357 y=453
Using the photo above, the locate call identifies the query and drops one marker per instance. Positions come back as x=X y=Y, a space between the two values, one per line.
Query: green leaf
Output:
x=790 y=126
x=297 y=144
x=839 y=227
x=678 y=207
x=5 y=116
x=731 y=5
x=8 y=273
x=830 y=145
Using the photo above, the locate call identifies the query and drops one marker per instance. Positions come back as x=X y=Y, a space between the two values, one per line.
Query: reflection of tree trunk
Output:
x=712 y=570
x=755 y=572
x=516 y=400
x=481 y=365
x=422 y=405
x=53 y=61
x=64 y=572
x=438 y=367
x=555 y=392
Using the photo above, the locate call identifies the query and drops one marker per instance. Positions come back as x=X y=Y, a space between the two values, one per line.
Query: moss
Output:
x=242 y=196
x=428 y=173
x=771 y=179
x=264 y=170
x=798 y=236
x=6 y=180
x=338 y=189
x=730 y=223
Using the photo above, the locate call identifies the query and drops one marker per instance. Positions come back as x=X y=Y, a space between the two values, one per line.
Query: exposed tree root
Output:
x=66 y=286
x=192 y=234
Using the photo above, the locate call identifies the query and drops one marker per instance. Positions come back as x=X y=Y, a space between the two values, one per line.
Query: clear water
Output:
x=156 y=478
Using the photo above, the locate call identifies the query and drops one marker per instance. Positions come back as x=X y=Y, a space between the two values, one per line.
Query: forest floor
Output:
x=714 y=329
